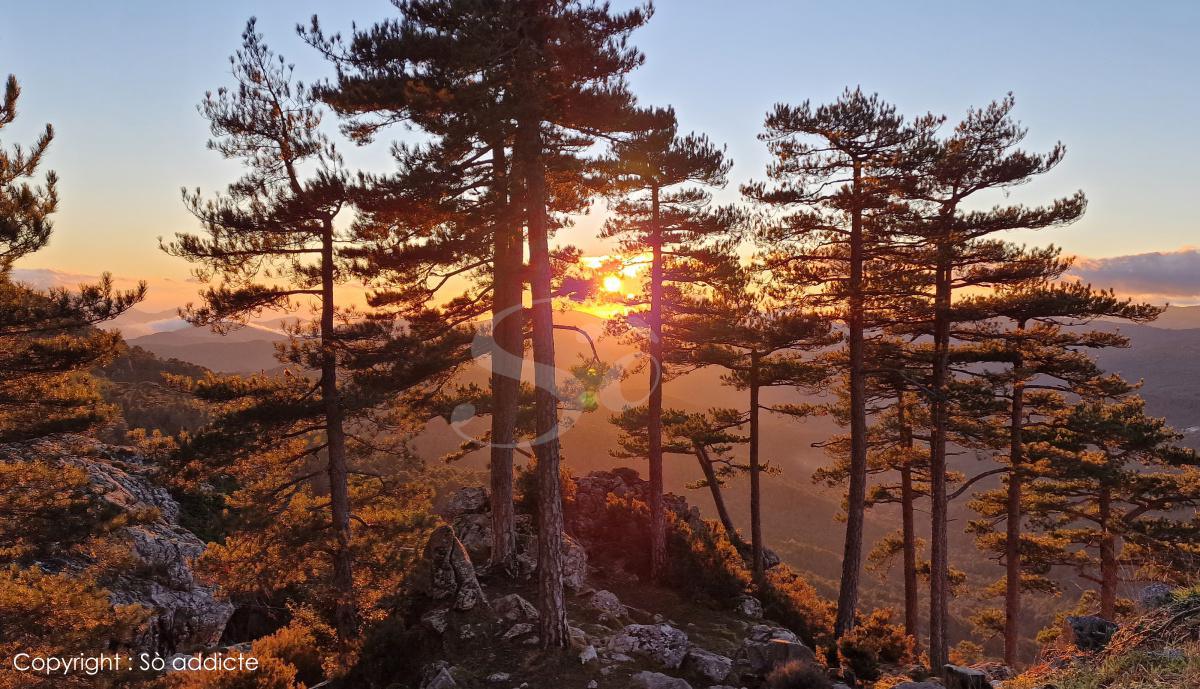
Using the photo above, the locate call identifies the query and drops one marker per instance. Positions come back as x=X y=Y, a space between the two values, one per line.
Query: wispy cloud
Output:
x=1171 y=275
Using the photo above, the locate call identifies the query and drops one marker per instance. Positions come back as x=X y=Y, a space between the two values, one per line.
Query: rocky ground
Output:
x=185 y=614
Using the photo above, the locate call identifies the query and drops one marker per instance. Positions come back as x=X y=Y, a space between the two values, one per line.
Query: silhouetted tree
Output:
x=662 y=217
x=834 y=174
x=272 y=244
x=47 y=341
x=954 y=245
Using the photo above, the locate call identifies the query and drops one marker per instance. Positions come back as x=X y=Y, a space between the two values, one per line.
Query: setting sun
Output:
x=612 y=283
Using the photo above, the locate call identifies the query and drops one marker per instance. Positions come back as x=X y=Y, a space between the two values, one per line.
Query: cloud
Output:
x=1163 y=273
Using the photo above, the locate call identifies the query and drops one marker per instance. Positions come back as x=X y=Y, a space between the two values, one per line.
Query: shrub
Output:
x=789 y=599
x=873 y=642
x=798 y=675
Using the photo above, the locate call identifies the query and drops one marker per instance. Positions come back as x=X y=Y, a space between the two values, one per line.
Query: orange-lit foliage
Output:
x=789 y=599
x=46 y=614
x=875 y=641
x=288 y=659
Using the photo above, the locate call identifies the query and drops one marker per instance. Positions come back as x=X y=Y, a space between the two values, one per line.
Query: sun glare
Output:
x=612 y=283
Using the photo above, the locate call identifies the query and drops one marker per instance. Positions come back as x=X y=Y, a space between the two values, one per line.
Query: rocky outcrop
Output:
x=574 y=564
x=660 y=644
x=1088 y=633
x=469 y=500
x=185 y=614
x=446 y=574
x=957 y=677
x=766 y=647
x=585 y=511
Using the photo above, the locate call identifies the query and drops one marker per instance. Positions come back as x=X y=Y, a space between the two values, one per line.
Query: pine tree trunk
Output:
x=1108 y=558
x=757 y=567
x=857 y=494
x=658 y=522
x=909 y=527
x=508 y=334
x=714 y=487
x=551 y=603
x=939 y=575
x=1012 y=544
x=345 y=615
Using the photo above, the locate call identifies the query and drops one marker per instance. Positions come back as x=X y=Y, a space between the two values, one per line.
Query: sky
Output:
x=1114 y=81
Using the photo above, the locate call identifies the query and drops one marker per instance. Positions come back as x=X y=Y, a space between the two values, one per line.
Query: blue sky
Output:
x=1115 y=81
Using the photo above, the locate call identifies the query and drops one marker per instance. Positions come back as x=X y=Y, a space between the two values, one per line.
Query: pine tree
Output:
x=955 y=247
x=1123 y=480
x=900 y=423
x=662 y=217
x=448 y=214
x=709 y=437
x=760 y=345
x=47 y=341
x=1036 y=331
x=835 y=168
x=271 y=244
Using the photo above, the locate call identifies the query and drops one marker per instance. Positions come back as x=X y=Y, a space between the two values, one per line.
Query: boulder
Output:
x=661 y=644
x=958 y=677
x=517 y=630
x=1088 y=633
x=711 y=666
x=588 y=655
x=185 y=615
x=469 y=500
x=435 y=620
x=997 y=672
x=767 y=647
x=437 y=676
x=749 y=607
x=574 y=563
x=475 y=532
x=919 y=685
x=446 y=573
x=656 y=680
x=1154 y=596
x=514 y=608
x=606 y=604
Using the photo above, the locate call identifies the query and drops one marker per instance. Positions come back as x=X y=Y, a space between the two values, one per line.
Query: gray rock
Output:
x=498 y=677
x=185 y=615
x=656 y=680
x=958 y=677
x=749 y=607
x=469 y=500
x=1154 y=596
x=588 y=655
x=711 y=666
x=661 y=644
x=607 y=603
x=517 y=630
x=437 y=676
x=574 y=564
x=446 y=573
x=435 y=620
x=593 y=684
x=1088 y=633
x=514 y=608
x=766 y=647
x=475 y=532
